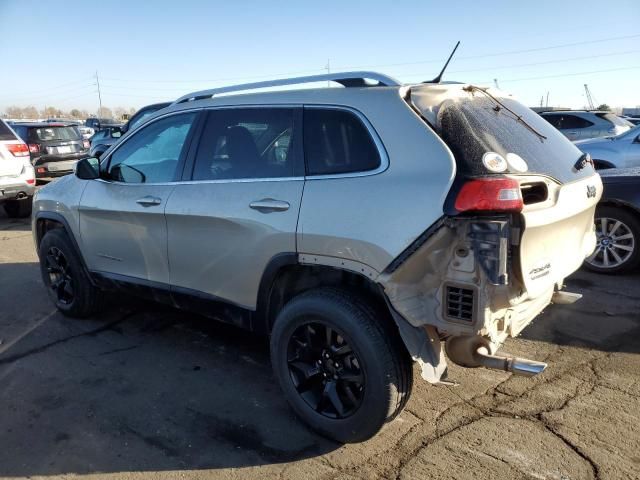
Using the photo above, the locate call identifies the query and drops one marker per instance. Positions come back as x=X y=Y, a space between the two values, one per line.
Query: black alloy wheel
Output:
x=60 y=276
x=325 y=370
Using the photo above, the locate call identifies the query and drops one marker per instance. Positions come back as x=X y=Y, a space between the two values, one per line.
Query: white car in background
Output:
x=17 y=176
x=619 y=151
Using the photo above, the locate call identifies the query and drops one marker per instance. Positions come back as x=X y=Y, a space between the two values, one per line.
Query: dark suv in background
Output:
x=103 y=139
x=54 y=147
x=101 y=123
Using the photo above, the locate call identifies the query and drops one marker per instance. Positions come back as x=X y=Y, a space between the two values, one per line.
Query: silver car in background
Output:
x=360 y=228
x=582 y=124
x=619 y=151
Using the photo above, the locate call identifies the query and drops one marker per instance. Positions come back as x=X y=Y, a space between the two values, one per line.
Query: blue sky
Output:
x=158 y=50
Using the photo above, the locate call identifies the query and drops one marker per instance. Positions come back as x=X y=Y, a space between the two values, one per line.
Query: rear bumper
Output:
x=12 y=189
x=58 y=168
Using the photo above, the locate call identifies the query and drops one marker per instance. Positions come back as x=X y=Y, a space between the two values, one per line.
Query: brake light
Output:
x=34 y=148
x=18 y=149
x=490 y=194
x=31 y=181
x=86 y=144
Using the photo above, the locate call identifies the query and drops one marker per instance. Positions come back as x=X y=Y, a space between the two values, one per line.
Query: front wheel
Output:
x=342 y=368
x=618 y=234
x=63 y=275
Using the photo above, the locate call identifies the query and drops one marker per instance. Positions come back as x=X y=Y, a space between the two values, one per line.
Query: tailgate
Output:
x=10 y=166
x=558 y=234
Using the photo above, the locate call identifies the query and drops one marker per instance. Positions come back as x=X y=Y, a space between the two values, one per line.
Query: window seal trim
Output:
x=382 y=151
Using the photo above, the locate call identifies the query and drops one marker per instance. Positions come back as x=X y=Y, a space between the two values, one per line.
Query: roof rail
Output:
x=347 y=79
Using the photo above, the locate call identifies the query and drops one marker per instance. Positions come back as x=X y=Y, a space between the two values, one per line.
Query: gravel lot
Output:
x=143 y=391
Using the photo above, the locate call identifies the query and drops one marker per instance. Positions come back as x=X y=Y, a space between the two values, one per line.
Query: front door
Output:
x=122 y=224
x=240 y=208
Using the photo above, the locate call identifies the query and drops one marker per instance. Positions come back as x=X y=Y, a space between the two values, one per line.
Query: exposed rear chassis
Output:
x=459 y=284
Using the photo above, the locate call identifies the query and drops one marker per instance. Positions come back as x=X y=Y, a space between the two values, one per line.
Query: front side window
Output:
x=242 y=143
x=336 y=142
x=152 y=154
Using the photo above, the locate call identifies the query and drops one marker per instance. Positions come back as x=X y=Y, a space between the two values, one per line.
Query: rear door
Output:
x=122 y=224
x=238 y=209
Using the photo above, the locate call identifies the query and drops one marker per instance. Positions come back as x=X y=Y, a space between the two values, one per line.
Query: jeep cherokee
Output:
x=362 y=228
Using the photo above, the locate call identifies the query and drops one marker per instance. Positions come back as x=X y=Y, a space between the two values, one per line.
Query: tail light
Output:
x=18 y=149
x=34 y=148
x=490 y=194
x=31 y=181
x=86 y=145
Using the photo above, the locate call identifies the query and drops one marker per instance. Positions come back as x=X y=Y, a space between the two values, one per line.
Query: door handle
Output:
x=149 y=201
x=268 y=205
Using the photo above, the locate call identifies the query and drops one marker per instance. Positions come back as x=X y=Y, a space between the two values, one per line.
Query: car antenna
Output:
x=439 y=77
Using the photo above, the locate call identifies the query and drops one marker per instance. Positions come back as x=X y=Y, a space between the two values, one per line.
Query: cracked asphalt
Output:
x=142 y=391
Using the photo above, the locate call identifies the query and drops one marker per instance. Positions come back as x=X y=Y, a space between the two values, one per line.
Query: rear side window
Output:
x=240 y=143
x=572 y=121
x=336 y=142
x=46 y=134
x=616 y=120
x=5 y=132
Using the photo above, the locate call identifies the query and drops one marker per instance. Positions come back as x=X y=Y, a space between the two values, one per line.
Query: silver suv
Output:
x=361 y=228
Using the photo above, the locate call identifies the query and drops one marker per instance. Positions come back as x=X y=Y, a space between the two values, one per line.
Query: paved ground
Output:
x=142 y=391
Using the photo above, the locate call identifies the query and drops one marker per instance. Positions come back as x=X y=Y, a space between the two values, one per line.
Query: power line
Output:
x=573 y=74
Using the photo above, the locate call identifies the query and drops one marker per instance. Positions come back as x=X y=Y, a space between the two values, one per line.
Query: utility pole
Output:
x=547 y=105
x=328 y=67
x=99 y=95
x=541 y=101
x=495 y=81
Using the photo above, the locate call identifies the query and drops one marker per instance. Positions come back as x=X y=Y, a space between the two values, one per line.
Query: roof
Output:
x=42 y=124
x=346 y=79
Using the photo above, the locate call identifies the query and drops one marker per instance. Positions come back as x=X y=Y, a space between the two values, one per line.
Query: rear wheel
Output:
x=19 y=208
x=68 y=285
x=618 y=234
x=342 y=368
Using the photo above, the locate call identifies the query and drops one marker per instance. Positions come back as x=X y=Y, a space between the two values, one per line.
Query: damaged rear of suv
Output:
x=516 y=223
x=362 y=228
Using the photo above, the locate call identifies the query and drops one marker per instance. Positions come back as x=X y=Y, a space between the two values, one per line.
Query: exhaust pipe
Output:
x=515 y=365
x=473 y=351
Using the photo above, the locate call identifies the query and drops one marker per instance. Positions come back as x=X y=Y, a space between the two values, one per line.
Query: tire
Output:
x=627 y=246
x=66 y=280
x=378 y=371
x=19 y=208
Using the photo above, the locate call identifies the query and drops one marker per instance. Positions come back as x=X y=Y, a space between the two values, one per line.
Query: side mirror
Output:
x=88 y=169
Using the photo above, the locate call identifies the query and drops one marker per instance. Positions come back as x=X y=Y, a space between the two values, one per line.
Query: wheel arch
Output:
x=627 y=206
x=285 y=277
x=46 y=221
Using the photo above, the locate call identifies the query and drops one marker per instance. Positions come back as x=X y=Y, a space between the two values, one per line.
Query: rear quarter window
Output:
x=337 y=142
x=5 y=132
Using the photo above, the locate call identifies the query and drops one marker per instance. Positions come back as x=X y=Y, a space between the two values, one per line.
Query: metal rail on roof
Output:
x=347 y=79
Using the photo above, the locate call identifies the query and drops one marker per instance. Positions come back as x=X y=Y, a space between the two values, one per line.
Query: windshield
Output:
x=46 y=134
x=476 y=123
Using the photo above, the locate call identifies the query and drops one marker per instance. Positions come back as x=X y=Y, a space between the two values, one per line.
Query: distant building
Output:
x=631 y=111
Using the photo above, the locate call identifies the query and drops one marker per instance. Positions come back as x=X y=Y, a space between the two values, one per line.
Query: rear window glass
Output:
x=46 y=134
x=5 y=132
x=616 y=120
x=476 y=124
x=336 y=141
